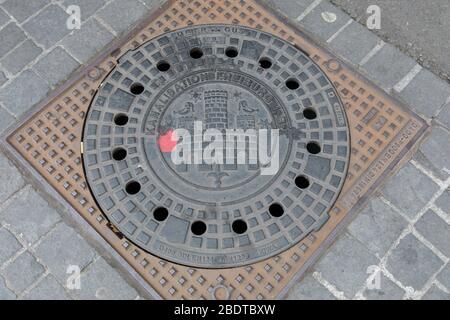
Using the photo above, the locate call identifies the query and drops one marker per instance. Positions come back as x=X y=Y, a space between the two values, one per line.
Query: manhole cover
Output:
x=217 y=211
x=213 y=230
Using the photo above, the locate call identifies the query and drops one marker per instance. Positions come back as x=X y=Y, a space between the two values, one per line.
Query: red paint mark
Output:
x=165 y=142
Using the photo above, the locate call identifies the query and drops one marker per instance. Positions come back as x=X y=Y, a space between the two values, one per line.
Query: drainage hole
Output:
x=292 y=84
x=276 y=210
x=265 y=63
x=163 y=66
x=119 y=154
x=310 y=114
x=313 y=148
x=121 y=119
x=198 y=228
x=133 y=187
x=239 y=226
x=196 y=53
x=160 y=214
x=136 y=89
x=231 y=52
x=302 y=182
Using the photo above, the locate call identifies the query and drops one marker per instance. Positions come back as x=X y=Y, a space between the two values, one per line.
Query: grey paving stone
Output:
x=414 y=26
x=314 y=22
x=388 y=66
x=5 y=293
x=86 y=42
x=345 y=266
x=49 y=26
x=420 y=158
x=102 y=282
x=6 y=119
x=22 y=272
x=9 y=245
x=443 y=201
x=444 y=116
x=377 y=227
x=17 y=59
x=62 y=248
x=88 y=7
x=444 y=276
x=3 y=78
x=426 y=93
x=435 y=230
x=23 y=92
x=4 y=18
x=436 y=150
x=30 y=215
x=410 y=190
x=121 y=15
x=354 y=43
x=56 y=66
x=154 y=3
x=10 y=36
x=47 y=289
x=309 y=289
x=387 y=291
x=412 y=263
x=434 y=293
x=291 y=8
x=11 y=180
x=22 y=9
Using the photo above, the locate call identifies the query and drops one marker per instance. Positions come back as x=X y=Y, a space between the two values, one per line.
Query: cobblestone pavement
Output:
x=403 y=233
x=419 y=28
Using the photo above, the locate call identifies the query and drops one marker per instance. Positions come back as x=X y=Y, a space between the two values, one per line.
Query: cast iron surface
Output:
x=204 y=82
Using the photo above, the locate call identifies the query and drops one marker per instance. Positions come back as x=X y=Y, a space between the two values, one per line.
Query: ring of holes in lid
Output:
x=238 y=226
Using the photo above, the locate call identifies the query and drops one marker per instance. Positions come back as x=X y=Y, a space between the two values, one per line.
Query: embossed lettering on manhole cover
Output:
x=216 y=213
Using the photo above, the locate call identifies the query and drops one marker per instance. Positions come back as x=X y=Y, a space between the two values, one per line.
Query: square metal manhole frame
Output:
x=46 y=143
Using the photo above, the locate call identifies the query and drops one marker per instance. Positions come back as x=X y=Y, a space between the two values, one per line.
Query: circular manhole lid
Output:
x=216 y=146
